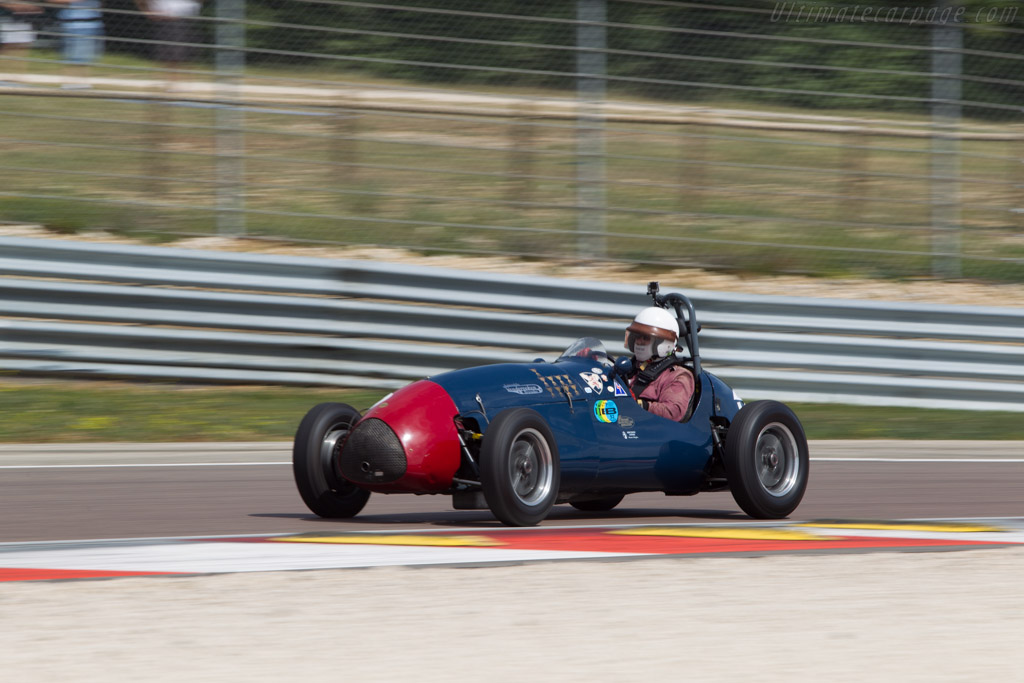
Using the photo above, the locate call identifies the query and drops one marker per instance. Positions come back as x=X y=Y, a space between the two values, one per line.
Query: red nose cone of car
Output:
x=407 y=442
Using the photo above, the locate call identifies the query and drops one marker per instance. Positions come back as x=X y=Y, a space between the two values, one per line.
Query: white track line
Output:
x=286 y=462
x=147 y=464
x=994 y=521
x=929 y=460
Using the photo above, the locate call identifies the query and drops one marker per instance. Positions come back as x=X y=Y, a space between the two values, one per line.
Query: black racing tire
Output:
x=597 y=504
x=314 y=462
x=767 y=461
x=519 y=469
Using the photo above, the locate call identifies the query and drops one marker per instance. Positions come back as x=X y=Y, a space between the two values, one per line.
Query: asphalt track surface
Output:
x=167 y=490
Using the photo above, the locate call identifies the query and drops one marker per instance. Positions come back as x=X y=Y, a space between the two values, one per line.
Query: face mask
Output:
x=643 y=351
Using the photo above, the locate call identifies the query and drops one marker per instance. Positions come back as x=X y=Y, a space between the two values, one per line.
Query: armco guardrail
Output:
x=77 y=308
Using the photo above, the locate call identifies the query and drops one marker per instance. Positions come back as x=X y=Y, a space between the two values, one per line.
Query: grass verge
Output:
x=110 y=411
x=831 y=203
x=833 y=421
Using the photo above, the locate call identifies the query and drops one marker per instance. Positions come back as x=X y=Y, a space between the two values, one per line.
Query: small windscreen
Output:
x=590 y=348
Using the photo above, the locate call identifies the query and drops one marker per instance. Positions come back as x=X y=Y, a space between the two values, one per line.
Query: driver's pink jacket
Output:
x=669 y=393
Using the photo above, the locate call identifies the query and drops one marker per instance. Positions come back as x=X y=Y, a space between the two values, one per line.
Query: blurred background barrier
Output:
x=85 y=309
x=868 y=140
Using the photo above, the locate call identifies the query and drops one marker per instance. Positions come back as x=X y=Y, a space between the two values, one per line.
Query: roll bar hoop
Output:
x=687 y=324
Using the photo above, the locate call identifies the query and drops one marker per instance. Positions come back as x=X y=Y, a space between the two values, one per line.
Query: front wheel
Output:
x=315 y=458
x=767 y=460
x=519 y=470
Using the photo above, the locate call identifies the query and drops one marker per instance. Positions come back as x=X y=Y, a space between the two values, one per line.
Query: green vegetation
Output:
x=829 y=421
x=737 y=42
x=110 y=411
x=757 y=200
x=66 y=412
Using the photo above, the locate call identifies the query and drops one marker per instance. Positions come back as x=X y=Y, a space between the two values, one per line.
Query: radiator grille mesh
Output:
x=373 y=454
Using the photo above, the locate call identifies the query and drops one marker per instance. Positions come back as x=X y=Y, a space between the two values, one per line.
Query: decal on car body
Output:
x=523 y=389
x=606 y=411
x=558 y=385
x=593 y=381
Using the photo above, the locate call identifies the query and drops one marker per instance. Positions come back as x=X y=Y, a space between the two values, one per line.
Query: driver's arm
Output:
x=669 y=394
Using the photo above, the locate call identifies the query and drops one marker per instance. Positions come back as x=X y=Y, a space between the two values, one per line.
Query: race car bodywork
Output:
x=518 y=438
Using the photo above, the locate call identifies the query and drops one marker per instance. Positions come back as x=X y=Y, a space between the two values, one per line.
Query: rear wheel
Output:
x=597 y=504
x=767 y=460
x=315 y=461
x=519 y=470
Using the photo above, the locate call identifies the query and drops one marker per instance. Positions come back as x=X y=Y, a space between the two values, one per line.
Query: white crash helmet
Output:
x=658 y=324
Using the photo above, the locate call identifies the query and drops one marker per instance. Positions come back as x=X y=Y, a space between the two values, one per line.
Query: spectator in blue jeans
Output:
x=81 y=28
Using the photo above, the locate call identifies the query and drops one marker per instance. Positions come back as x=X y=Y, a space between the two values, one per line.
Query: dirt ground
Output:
x=921 y=290
x=946 y=616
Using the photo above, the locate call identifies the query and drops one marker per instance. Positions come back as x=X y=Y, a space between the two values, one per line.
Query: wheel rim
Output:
x=777 y=459
x=330 y=449
x=530 y=467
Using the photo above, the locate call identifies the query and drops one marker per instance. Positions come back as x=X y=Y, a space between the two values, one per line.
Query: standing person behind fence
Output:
x=17 y=33
x=173 y=30
x=81 y=29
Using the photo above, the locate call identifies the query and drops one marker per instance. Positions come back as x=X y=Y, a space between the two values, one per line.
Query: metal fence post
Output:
x=590 y=148
x=520 y=157
x=344 y=172
x=694 y=174
x=156 y=166
x=947 y=67
x=853 y=186
x=230 y=65
x=1018 y=175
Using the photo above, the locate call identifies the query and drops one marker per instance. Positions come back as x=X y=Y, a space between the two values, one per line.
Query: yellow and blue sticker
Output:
x=606 y=411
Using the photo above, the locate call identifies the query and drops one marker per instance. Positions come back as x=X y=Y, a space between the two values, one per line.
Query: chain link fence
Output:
x=781 y=137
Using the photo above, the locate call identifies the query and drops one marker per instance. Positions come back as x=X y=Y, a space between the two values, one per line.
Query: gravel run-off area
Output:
x=905 y=616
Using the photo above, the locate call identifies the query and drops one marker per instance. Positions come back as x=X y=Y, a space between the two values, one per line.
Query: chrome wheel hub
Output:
x=330 y=449
x=531 y=467
x=777 y=459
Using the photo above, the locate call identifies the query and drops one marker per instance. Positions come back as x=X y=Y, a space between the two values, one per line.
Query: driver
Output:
x=659 y=384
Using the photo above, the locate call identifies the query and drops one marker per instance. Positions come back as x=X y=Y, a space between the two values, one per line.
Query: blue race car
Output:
x=518 y=438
